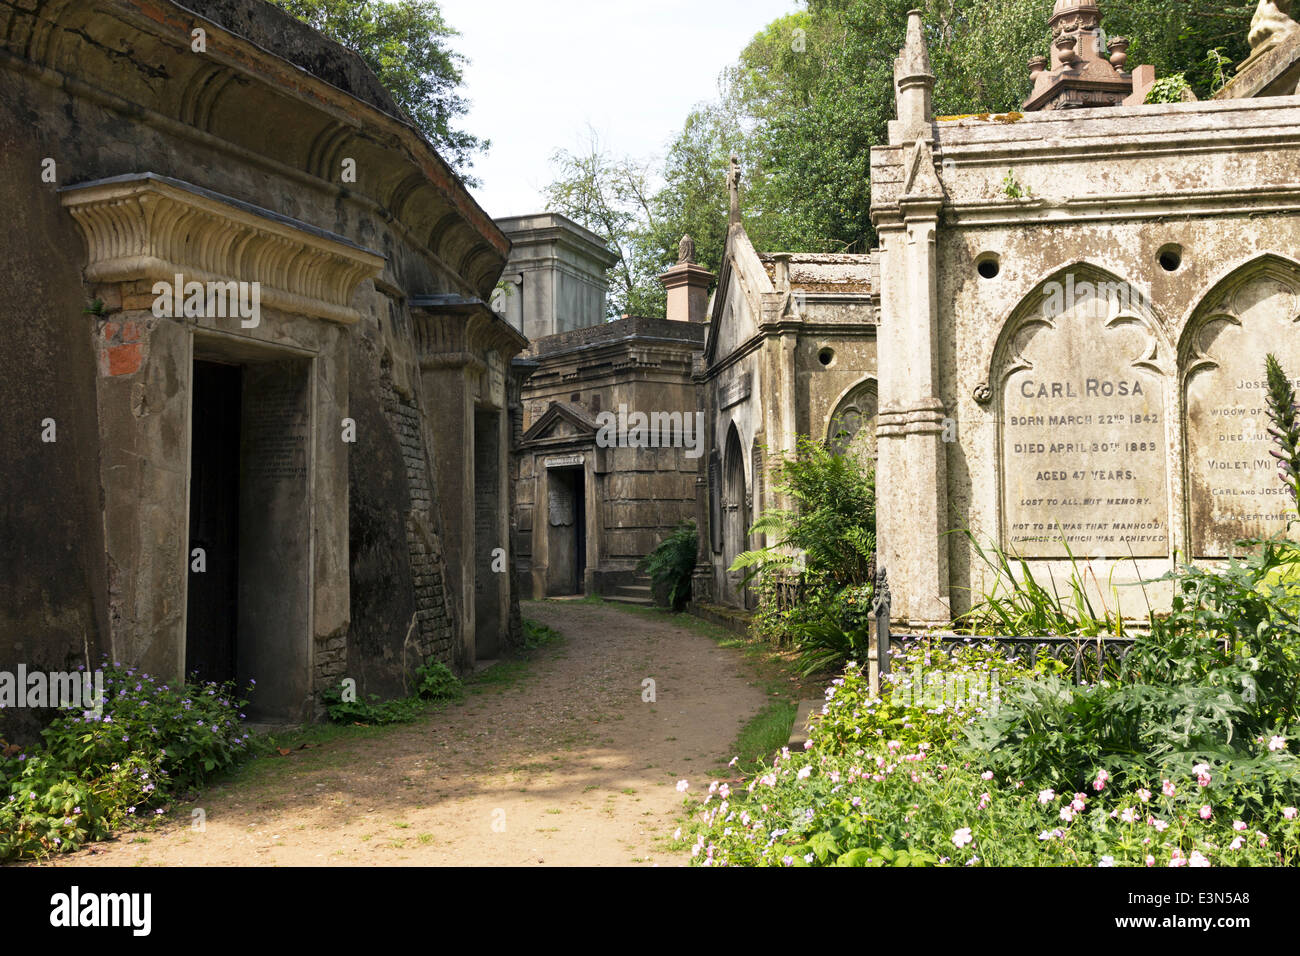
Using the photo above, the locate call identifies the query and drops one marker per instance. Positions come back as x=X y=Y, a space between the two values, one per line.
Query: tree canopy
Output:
x=810 y=95
x=406 y=43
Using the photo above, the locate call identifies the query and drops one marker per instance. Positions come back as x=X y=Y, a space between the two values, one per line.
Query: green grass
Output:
x=767 y=732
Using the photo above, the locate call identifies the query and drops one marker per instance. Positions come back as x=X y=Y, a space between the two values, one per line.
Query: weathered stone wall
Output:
x=1084 y=333
x=111 y=88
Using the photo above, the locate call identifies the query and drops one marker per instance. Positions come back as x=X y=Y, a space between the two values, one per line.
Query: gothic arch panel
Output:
x=1079 y=378
x=852 y=426
x=1233 y=491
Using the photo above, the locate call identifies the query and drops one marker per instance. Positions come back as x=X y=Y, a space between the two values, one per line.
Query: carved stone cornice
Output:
x=452 y=330
x=150 y=227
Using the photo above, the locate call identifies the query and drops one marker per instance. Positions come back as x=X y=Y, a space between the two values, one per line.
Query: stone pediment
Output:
x=563 y=420
x=150 y=227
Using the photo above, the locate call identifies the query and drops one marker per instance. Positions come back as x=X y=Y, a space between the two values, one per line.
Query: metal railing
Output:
x=1087 y=658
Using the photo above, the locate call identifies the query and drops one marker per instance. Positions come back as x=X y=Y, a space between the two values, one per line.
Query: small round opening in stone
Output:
x=826 y=356
x=988 y=267
x=1171 y=257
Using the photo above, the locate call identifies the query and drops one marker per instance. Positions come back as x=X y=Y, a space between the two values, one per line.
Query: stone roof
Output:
x=628 y=327
x=837 y=272
x=287 y=37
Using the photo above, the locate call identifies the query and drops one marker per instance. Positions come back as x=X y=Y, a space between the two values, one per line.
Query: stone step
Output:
x=630 y=599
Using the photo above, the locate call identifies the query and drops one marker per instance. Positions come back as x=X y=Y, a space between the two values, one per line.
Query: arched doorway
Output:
x=735 y=513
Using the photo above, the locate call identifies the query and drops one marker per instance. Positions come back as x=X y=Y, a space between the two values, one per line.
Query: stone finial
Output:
x=1272 y=22
x=733 y=188
x=914 y=60
x=1078 y=74
x=686 y=250
x=914 y=79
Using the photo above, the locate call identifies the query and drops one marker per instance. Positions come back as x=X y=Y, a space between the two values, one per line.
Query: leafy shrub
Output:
x=434 y=682
x=833 y=526
x=95 y=772
x=672 y=563
x=893 y=782
x=539 y=635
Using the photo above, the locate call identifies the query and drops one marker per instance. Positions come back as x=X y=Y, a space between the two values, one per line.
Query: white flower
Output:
x=1046 y=796
x=1277 y=743
x=962 y=837
x=1106 y=861
x=681 y=786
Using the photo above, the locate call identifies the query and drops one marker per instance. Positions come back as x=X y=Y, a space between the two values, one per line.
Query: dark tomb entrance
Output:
x=211 y=617
x=489 y=582
x=567 y=514
x=248 y=613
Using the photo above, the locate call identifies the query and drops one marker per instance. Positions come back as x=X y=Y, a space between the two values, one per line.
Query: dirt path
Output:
x=564 y=766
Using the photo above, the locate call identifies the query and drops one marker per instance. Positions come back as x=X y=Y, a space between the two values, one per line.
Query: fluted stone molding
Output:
x=150 y=227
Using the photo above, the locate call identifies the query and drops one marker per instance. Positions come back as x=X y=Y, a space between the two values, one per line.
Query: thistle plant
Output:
x=1285 y=431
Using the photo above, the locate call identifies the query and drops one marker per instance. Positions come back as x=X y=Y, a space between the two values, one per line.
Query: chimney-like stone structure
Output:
x=687 y=285
x=913 y=84
x=1078 y=75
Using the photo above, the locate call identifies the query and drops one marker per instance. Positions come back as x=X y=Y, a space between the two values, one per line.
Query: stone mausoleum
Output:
x=791 y=351
x=292 y=463
x=591 y=503
x=1075 y=307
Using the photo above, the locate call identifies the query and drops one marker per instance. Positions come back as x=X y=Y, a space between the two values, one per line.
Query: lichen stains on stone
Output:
x=983 y=117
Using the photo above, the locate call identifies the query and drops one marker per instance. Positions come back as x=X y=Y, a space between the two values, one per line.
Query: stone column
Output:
x=912 y=490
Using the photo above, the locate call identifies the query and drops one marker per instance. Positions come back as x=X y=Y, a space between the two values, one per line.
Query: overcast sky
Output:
x=542 y=71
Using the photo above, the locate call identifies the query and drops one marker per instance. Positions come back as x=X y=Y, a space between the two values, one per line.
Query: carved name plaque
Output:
x=734 y=392
x=1234 y=491
x=1083 y=437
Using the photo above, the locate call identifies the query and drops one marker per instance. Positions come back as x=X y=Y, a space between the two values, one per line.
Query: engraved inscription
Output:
x=1083 y=439
x=1233 y=485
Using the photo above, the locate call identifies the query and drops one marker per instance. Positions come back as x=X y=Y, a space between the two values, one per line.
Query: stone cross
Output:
x=733 y=187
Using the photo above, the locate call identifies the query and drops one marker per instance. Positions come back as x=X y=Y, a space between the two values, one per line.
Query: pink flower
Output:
x=1129 y=815
x=1206 y=812
x=804 y=774
x=1160 y=826
x=1150 y=860
x=724 y=791
x=1167 y=789
x=1238 y=825
x=987 y=775
x=1067 y=813
x=1106 y=861
x=1277 y=743
x=1100 y=783
x=962 y=837
x=1263 y=838
x=1289 y=812
x=1235 y=844
x=1198 y=859
x=1078 y=803
x=807 y=745
x=1144 y=794
x=682 y=786
x=1177 y=859
x=1202 y=771
x=893 y=745
x=1046 y=796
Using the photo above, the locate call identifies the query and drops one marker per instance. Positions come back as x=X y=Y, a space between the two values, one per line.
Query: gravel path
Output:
x=565 y=766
